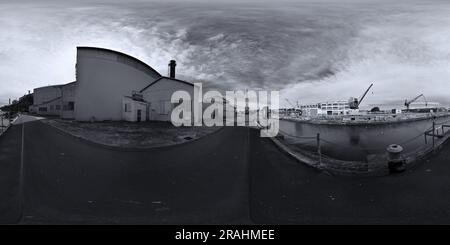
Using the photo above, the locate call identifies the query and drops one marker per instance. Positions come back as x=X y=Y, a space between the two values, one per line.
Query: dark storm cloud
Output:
x=311 y=51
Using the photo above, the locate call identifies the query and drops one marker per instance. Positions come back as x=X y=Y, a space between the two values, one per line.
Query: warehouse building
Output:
x=111 y=86
x=54 y=100
x=158 y=93
x=104 y=77
x=47 y=100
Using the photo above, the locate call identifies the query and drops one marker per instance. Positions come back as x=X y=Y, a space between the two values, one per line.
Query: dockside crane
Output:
x=408 y=103
x=296 y=109
x=355 y=102
x=288 y=101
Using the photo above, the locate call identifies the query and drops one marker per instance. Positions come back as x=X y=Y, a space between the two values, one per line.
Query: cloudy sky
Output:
x=310 y=51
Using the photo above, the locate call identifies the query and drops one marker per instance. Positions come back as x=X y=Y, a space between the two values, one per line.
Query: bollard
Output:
x=434 y=131
x=395 y=161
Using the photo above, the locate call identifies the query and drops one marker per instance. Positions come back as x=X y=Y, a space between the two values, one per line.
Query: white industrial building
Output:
x=158 y=94
x=104 y=77
x=111 y=86
x=47 y=100
x=340 y=107
x=68 y=100
x=50 y=100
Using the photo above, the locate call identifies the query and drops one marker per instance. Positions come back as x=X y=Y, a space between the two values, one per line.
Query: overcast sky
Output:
x=312 y=52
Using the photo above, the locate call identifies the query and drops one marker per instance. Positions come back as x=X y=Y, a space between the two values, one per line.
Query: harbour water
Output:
x=356 y=142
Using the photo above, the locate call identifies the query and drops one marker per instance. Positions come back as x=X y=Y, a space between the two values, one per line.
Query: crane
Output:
x=295 y=109
x=288 y=101
x=408 y=103
x=355 y=102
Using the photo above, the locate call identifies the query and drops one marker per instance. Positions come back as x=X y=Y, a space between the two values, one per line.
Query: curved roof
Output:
x=55 y=86
x=120 y=54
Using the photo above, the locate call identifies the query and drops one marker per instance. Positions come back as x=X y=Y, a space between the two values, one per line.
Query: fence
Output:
x=4 y=123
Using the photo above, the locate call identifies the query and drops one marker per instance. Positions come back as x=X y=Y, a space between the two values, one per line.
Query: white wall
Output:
x=160 y=93
x=133 y=107
x=52 y=108
x=45 y=94
x=68 y=95
x=103 y=79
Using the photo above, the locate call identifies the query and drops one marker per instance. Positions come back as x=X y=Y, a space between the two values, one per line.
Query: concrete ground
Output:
x=232 y=176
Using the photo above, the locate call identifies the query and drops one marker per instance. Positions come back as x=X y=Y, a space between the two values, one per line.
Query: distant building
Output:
x=47 y=100
x=335 y=108
x=419 y=107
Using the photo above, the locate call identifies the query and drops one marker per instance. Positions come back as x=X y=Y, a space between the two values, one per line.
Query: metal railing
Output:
x=4 y=123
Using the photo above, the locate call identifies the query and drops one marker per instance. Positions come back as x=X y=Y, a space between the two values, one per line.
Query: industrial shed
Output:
x=111 y=86
x=158 y=94
x=54 y=100
x=104 y=77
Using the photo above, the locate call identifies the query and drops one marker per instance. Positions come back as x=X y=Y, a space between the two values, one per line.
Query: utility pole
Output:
x=434 y=130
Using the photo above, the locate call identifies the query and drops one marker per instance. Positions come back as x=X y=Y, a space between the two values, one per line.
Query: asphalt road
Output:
x=69 y=181
x=231 y=176
x=10 y=145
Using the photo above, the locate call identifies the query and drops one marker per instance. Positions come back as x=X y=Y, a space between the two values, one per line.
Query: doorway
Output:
x=139 y=112
x=147 y=112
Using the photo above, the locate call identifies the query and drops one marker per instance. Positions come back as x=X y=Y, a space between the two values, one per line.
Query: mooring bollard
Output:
x=395 y=161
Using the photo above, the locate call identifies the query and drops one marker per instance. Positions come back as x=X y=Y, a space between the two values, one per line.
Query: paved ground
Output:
x=232 y=176
x=286 y=192
x=10 y=145
x=68 y=181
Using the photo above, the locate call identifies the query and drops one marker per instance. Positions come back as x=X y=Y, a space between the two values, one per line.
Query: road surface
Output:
x=231 y=176
x=69 y=181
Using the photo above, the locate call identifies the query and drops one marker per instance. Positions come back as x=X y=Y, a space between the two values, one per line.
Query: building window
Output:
x=42 y=108
x=58 y=107
x=127 y=107
x=52 y=107
x=71 y=106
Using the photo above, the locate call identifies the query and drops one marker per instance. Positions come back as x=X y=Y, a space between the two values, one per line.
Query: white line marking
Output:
x=21 y=178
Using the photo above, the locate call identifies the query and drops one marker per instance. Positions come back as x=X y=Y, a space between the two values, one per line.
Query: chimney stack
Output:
x=172 y=65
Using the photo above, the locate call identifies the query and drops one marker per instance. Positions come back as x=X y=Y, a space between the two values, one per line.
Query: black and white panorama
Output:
x=85 y=109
